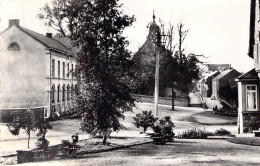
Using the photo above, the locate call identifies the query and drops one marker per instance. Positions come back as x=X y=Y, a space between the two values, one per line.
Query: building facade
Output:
x=248 y=83
x=223 y=83
x=36 y=72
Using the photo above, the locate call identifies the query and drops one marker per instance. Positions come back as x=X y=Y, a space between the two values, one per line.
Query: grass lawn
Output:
x=255 y=141
x=209 y=118
x=93 y=145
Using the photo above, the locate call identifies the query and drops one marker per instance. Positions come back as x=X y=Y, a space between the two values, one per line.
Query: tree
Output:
x=184 y=68
x=21 y=120
x=29 y=121
x=145 y=120
x=95 y=28
x=42 y=125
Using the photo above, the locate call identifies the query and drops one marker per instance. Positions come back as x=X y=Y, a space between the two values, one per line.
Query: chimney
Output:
x=15 y=22
x=49 y=35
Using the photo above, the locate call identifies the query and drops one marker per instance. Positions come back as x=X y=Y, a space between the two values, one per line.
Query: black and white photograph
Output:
x=129 y=82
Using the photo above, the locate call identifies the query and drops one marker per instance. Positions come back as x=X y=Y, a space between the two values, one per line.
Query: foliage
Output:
x=195 y=133
x=222 y=132
x=185 y=66
x=43 y=128
x=95 y=28
x=145 y=120
x=30 y=120
x=164 y=126
x=22 y=120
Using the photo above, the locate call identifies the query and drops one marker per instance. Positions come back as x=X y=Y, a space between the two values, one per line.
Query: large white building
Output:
x=36 y=72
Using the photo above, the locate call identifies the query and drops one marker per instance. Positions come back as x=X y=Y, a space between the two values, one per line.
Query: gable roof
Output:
x=251 y=75
x=51 y=43
x=224 y=73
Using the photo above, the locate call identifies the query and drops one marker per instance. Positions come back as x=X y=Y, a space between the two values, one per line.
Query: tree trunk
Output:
x=105 y=139
x=29 y=134
x=173 y=93
x=145 y=128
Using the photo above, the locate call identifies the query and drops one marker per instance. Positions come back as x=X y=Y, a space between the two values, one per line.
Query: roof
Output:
x=223 y=74
x=215 y=67
x=252 y=74
x=252 y=29
x=212 y=74
x=51 y=43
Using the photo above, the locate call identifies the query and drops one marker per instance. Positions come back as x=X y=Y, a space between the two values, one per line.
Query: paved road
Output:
x=180 y=152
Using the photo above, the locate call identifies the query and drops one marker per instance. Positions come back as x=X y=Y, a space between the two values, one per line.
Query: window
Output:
x=72 y=92
x=68 y=92
x=52 y=93
x=72 y=70
x=63 y=92
x=53 y=68
x=13 y=46
x=58 y=96
x=68 y=66
x=45 y=112
x=58 y=69
x=63 y=69
x=251 y=97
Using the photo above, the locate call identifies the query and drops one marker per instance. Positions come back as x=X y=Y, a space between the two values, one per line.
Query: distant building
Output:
x=218 y=67
x=204 y=85
x=36 y=72
x=248 y=83
x=144 y=60
x=221 y=83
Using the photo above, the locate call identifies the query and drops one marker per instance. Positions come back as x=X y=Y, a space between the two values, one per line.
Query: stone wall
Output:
x=162 y=100
x=251 y=121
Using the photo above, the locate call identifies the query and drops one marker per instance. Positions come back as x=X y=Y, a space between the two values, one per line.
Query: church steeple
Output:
x=153 y=17
x=153 y=30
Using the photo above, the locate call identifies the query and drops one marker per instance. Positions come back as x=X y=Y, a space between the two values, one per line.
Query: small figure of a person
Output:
x=75 y=139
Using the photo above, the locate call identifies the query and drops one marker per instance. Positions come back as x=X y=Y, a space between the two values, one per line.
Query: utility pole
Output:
x=156 y=88
x=160 y=41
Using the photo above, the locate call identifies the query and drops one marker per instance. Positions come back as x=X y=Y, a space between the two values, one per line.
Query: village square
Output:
x=95 y=82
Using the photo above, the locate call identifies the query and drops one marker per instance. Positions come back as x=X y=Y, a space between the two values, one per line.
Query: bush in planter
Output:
x=164 y=128
x=43 y=126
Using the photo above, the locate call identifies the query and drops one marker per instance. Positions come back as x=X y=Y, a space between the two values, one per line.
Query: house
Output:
x=36 y=72
x=221 y=83
x=218 y=67
x=248 y=83
x=144 y=65
x=204 y=85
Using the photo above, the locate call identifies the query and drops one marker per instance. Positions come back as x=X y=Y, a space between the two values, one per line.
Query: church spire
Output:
x=153 y=17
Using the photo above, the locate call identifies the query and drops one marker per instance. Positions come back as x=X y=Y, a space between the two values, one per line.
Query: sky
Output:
x=219 y=30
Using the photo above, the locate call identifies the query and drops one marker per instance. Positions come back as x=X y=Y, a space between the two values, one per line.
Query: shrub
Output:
x=42 y=143
x=195 y=133
x=164 y=126
x=221 y=132
x=145 y=120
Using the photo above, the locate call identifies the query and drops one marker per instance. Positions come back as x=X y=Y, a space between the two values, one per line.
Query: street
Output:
x=180 y=152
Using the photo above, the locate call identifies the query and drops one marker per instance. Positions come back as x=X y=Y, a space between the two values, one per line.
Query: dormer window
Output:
x=14 y=46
